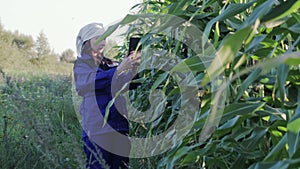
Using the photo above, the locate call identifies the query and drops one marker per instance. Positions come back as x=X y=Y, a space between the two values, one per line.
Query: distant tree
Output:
x=5 y=37
x=22 y=41
x=67 y=56
x=42 y=46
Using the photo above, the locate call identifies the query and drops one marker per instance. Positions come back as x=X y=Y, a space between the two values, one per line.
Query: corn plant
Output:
x=256 y=57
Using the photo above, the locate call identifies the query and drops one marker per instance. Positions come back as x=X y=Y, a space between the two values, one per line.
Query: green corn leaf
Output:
x=231 y=10
x=229 y=124
x=294 y=76
x=283 y=72
x=179 y=154
x=226 y=53
x=190 y=64
x=282 y=10
x=271 y=165
x=109 y=105
x=111 y=102
x=126 y=20
x=250 y=144
x=159 y=80
x=235 y=109
x=255 y=42
x=210 y=2
x=294 y=129
x=276 y=152
x=256 y=136
x=293 y=61
x=178 y=8
x=251 y=78
x=293 y=136
x=295 y=28
x=297 y=111
x=258 y=13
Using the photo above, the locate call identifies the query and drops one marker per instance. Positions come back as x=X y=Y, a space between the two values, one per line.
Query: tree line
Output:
x=20 y=51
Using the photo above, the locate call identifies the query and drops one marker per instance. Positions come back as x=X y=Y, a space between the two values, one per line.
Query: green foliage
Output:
x=23 y=42
x=39 y=127
x=68 y=56
x=257 y=62
x=19 y=53
x=42 y=46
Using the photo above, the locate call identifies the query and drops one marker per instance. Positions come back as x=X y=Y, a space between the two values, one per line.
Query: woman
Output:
x=97 y=79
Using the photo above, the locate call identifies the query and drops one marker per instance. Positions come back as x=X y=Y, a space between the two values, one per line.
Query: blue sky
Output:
x=60 y=20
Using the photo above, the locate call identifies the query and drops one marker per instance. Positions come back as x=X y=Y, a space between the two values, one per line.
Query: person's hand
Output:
x=130 y=62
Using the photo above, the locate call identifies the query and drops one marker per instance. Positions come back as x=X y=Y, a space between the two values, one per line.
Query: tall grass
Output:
x=39 y=126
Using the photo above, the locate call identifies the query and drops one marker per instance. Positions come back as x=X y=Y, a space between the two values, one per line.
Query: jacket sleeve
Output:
x=89 y=79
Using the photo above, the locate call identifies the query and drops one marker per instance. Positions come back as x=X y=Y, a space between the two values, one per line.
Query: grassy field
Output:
x=39 y=125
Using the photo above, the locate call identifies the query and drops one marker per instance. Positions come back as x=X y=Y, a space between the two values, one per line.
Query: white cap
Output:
x=86 y=33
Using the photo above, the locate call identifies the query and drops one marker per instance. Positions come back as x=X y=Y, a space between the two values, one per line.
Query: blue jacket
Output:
x=97 y=87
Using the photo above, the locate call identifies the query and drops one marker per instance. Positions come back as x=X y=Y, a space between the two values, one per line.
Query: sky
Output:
x=60 y=20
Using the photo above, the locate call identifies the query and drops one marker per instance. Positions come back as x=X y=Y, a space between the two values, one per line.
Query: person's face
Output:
x=97 y=47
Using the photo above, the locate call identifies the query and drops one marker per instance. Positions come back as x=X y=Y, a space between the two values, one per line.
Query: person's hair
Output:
x=86 y=48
